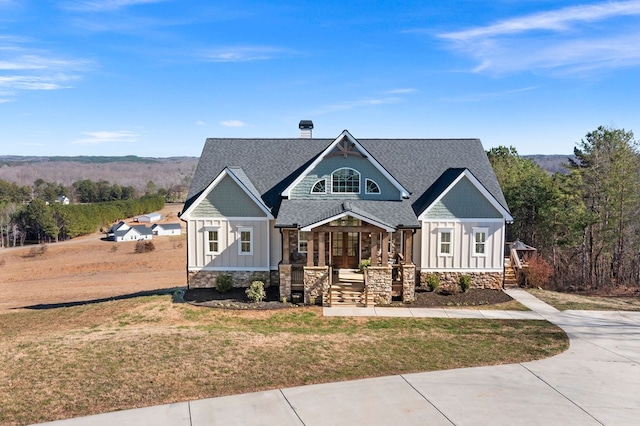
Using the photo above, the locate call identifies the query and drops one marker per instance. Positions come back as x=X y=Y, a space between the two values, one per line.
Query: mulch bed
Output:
x=234 y=299
x=237 y=299
x=472 y=297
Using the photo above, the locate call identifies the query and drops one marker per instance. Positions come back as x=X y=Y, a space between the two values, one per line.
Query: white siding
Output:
x=275 y=246
x=462 y=257
x=228 y=257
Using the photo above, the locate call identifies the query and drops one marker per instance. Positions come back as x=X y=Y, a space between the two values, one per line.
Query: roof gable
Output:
x=458 y=193
x=240 y=179
x=345 y=145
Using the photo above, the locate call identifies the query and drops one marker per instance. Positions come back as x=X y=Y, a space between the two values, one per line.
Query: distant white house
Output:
x=62 y=199
x=122 y=232
x=149 y=218
x=161 y=229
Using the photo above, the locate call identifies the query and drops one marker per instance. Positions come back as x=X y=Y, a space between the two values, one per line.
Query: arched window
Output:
x=320 y=187
x=345 y=181
x=372 y=187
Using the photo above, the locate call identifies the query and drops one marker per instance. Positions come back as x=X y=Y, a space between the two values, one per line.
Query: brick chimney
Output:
x=306 y=129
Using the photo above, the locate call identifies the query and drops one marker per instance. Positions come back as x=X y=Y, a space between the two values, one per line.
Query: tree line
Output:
x=584 y=220
x=31 y=213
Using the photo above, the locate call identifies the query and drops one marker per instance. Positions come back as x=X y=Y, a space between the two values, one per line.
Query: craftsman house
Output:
x=304 y=213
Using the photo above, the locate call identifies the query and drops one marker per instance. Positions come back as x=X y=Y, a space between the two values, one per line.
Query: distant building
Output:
x=62 y=199
x=149 y=218
x=162 y=229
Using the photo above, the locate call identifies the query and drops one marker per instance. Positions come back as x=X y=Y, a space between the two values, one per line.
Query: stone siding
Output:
x=285 y=281
x=316 y=283
x=207 y=279
x=408 y=283
x=450 y=281
x=379 y=284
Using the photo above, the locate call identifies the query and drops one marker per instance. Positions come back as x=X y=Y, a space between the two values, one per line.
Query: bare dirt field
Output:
x=88 y=268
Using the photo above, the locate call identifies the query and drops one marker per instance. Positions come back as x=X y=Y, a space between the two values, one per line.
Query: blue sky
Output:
x=157 y=77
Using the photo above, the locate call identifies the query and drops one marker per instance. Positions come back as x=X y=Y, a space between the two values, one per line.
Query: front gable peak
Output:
x=347 y=147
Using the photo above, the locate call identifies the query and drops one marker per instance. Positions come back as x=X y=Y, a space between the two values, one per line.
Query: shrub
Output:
x=465 y=283
x=224 y=283
x=256 y=292
x=538 y=272
x=144 y=246
x=364 y=265
x=433 y=281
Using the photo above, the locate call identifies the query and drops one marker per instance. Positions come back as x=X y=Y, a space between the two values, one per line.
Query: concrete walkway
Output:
x=595 y=382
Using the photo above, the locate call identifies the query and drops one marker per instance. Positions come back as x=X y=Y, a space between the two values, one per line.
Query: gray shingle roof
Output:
x=272 y=164
x=302 y=213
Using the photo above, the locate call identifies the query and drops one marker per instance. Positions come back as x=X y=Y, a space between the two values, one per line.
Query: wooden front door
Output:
x=345 y=248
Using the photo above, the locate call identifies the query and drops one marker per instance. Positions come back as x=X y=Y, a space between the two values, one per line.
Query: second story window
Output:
x=372 y=187
x=320 y=187
x=345 y=181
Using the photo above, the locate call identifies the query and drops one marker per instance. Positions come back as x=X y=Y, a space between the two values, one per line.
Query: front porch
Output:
x=322 y=264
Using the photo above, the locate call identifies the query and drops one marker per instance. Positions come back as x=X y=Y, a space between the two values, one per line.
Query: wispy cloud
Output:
x=233 y=123
x=403 y=91
x=360 y=103
x=478 y=97
x=201 y=123
x=568 y=40
x=242 y=53
x=392 y=96
x=25 y=68
x=103 y=5
x=101 y=137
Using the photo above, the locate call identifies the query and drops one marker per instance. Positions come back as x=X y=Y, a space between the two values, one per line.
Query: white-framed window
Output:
x=480 y=241
x=245 y=241
x=213 y=240
x=302 y=241
x=371 y=187
x=345 y=181
x=320 y=187
x=445 y=242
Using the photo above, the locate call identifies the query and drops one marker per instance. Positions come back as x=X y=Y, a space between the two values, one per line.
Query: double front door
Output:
x=345 y=249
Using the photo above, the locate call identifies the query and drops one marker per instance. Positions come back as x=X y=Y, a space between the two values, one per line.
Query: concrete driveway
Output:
x=595 y=382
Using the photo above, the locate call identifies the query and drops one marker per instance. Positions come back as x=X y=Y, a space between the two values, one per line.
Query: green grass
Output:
x=124 y=354
x=572 y=301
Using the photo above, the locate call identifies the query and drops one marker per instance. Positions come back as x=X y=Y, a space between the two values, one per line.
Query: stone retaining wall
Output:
x=207 y=279
x=316 y=283
x=379 y=284
x=450 y=281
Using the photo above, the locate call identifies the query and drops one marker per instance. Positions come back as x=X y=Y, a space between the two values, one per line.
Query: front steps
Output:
x=348 y=290
x=510 y=280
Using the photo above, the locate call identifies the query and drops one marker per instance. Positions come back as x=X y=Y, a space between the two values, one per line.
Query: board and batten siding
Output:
x=363 y=166
x=228 y=257
x=462 y=257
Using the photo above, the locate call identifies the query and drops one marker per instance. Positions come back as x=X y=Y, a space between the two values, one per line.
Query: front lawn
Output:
x=82 y=360
x=574 y=301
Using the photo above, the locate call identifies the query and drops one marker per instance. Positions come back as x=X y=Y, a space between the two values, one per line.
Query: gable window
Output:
x=445 y=242
x=372 y=187
x=302 y=241
x=320 y=187
x=213 y=240
x=479 y=241
x=245 y=246
x=345 y=181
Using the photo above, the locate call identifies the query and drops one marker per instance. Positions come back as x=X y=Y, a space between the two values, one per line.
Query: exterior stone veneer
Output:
x=408 y=283
x=316 y=283
x=450 y=281
x=379 y=284
x=207 y=279
x=285 y=281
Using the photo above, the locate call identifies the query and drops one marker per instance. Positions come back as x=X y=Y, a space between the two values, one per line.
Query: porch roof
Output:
x=303 y=213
